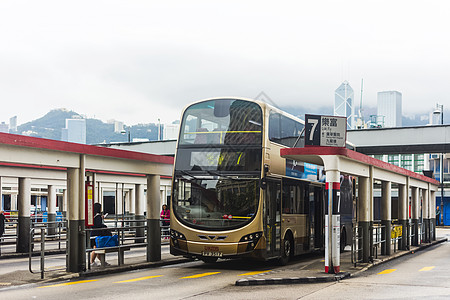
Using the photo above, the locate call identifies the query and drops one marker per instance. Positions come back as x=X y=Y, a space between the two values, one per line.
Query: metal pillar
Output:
x=24 y=221
x=153 y=227
x=403 y=214
x=386 y=217
x=51 y=204
x=363 y=207
x=332 y=223
x=415 y=214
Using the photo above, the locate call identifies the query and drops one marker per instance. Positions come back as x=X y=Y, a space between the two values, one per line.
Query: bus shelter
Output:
x=416 y=200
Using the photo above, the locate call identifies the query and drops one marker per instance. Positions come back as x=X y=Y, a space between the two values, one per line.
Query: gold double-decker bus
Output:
x=233 y=195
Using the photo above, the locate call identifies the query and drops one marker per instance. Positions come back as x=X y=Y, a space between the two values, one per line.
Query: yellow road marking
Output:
x=67 y=283
x=387 y=271
x=254 y=273
x=5 y=283
x=138 y=279
x=200 y=275
x=426 y=269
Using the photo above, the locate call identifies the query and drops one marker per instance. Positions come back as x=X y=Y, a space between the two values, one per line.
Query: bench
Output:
x=120 y=251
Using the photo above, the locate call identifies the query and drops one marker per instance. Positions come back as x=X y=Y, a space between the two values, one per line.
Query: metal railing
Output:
x=356 y=245
x=421 y=233
x=48 y=231
x=126 y=235
x=378 y=238
x=10 y=234
x=412 y=234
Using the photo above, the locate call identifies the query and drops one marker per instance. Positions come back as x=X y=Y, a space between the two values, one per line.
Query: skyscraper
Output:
x=390 y=107
x=75 y=131
x=343 y=103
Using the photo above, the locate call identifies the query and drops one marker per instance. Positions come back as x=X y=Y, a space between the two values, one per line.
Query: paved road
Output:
x=423 y=274
x=58 y=261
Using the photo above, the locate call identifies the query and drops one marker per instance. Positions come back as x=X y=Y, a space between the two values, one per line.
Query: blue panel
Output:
x=446 y=210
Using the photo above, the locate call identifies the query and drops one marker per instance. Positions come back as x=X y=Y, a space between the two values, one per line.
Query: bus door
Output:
x=272 y=217
x=319 y=216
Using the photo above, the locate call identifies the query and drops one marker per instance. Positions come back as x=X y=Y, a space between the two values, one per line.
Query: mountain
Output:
x=50 y=127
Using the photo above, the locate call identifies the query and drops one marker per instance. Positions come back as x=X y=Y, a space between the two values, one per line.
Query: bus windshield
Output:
x=214 y=202
x=218 y=164
x=223 y=121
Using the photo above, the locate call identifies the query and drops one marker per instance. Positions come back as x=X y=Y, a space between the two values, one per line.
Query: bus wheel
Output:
x=286 y=251
x=209 y=260
x=343 y=240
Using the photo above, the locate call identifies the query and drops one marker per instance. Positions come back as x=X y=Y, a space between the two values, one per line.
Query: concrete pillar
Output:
x=403 y=214
x=24 y=221
x=425 y=214
x=81 y=213
x=132 y=202
x=51 y=204
x=139 y=212
x=76 y=257
x=432 y=215
x=153 y=227
x=363 y=207
x=386 y=216
x=119 y=200
x=371 y=213
x=415 y=214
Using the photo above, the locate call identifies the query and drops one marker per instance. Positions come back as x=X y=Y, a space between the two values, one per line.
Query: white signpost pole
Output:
x=329 y=131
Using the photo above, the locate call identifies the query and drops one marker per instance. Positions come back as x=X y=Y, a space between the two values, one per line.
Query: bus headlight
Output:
x=178 y=240
x=177 y=235
x=251 y=240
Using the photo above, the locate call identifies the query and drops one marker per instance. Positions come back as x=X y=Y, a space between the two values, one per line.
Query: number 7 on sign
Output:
x=314 y=122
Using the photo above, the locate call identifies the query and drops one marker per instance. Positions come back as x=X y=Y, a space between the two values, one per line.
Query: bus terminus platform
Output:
x=377 y=188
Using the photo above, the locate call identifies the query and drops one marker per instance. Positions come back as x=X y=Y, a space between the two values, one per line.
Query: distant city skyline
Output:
x=326 y=109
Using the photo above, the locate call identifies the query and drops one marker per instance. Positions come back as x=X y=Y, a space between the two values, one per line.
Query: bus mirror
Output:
x=222 y=108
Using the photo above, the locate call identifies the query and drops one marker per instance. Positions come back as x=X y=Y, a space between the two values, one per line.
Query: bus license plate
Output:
x=212 y=253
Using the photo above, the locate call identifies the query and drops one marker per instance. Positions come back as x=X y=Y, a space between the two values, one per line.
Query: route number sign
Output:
x=328 y=131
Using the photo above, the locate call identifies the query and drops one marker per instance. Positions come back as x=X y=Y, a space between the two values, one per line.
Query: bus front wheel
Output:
x=287 y=250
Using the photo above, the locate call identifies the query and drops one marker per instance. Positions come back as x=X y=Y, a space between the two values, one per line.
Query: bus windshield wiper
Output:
x=228 y=176
x=214 y=173
x=187 y=173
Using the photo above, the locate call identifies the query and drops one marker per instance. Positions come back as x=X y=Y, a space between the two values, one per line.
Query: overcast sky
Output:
x=137 y=61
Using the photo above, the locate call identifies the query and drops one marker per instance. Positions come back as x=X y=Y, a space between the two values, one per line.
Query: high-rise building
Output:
x=75 y=131
x=4 y=127
x=171 y=131
x=389 y=106
x=13 y=124
x=343 y=103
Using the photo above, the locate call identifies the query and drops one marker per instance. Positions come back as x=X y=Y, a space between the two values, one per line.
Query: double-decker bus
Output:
x=233 y=195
